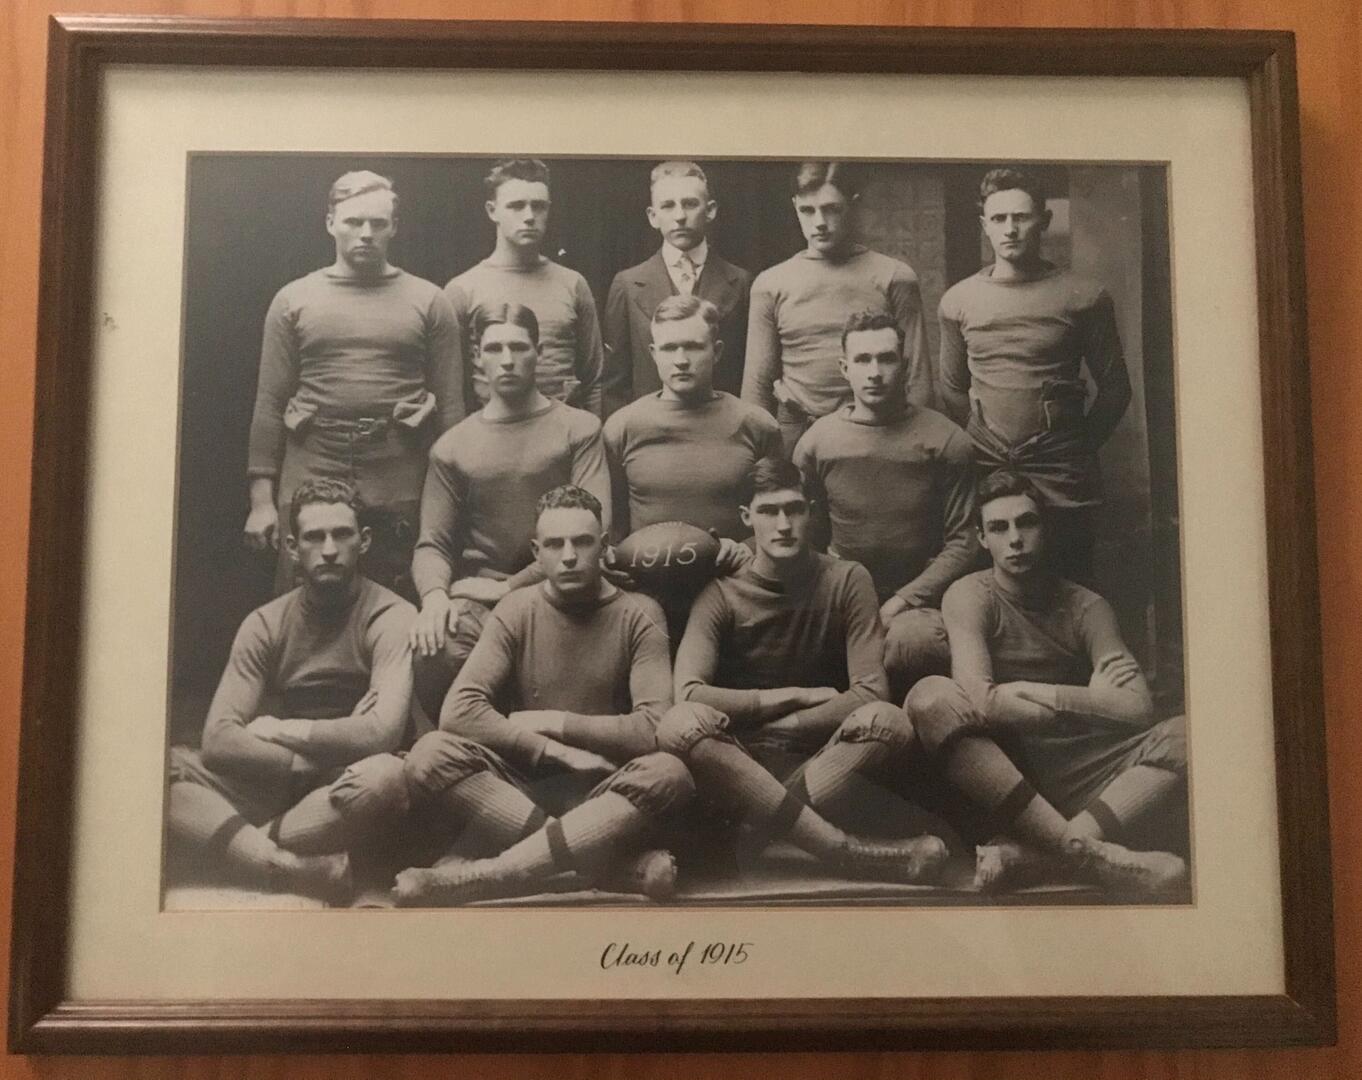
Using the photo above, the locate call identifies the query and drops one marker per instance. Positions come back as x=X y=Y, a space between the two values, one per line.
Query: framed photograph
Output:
x=592 y=536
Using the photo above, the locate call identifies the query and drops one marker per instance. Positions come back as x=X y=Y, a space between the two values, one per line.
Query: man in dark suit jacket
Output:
x=682 y=211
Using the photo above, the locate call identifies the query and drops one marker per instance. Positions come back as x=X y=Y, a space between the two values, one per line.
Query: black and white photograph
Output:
x=678 y=531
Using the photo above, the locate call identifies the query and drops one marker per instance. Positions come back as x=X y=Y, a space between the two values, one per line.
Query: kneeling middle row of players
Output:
x=891 y=482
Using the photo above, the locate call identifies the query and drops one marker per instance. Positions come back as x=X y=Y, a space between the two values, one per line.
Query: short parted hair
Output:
x=362 y=182
x=1010 y=179
x=531 y=170
x=486 y=315
x=569 y=497
x=870 y=319
x=774 y=474
x=683 y=306
x=812 y=175
x=677 y=169
x=323 y=490
x=1001 y=484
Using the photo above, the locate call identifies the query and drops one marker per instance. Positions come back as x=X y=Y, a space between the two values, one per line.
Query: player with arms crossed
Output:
x=360 y=370
x=793 y=364
x=682 y=210
x=1014 y=337
x=570 y=349
x=554 y=713
x=780 y=686
x=896 y=483
x=478 y=510
x=1047 y=724
x=278 y=800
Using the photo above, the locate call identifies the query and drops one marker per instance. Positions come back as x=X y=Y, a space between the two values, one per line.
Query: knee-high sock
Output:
x=839 y=772
x=759 y=799
x=488 y=814
x=313 y=826
x=586 y=838
x=1124 y=800
x=845 y=779
x=212 y=826
x=978 y=767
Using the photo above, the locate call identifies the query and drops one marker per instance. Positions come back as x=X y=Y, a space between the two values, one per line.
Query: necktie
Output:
x=685 y=274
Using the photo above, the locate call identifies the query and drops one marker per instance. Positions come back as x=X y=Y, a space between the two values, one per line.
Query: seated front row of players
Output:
x=562 y=709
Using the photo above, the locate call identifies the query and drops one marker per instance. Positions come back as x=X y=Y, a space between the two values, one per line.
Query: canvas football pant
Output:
x=255 y=827
x=793 y=421
x=779 y=788
x=434 y=675
x=1038 y=783
x=1066 y=472
x=477 y=805
x=915 y=646
x=386 y=463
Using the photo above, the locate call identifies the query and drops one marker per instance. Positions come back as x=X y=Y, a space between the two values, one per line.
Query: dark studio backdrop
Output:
x=256 y=222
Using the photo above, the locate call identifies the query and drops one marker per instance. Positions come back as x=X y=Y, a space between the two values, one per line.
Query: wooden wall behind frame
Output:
x=1329 y=44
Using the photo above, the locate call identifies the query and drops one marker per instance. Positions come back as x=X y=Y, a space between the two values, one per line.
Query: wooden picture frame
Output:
x=44 y=1017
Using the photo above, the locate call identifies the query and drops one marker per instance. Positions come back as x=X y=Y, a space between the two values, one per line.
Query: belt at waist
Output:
x=363 y=426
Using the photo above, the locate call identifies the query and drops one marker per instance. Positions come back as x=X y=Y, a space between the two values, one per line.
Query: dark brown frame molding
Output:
x=41 y=1019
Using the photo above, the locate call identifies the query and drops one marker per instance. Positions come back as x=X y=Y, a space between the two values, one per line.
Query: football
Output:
x=668 y=555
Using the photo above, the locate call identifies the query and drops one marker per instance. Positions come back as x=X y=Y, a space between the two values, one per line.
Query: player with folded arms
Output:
x=780 y=689
x=280 y=799
x=1047 y=723
x=546 y=760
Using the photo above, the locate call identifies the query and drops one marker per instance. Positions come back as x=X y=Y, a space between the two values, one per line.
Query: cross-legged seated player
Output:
x=780 y=679
x=296 y=765
x=553 y=714
x=896 y=483
x=478 y=507
x=1048 y=724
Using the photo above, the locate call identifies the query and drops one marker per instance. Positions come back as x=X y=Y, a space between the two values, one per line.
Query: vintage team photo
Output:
x=691 y=532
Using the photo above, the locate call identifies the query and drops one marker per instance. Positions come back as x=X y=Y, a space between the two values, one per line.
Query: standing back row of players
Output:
x=363 y=365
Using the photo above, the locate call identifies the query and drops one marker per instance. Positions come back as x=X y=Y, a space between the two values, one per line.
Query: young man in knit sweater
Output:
x=686 y=452
x=1014 y=338
x=360 y=370
x=553 y=714
x=1047 y=724
x=895 y=482
x=793 y=364
x=517 y=271
x=278 y=799
x=781 y=717
x=478 y=509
